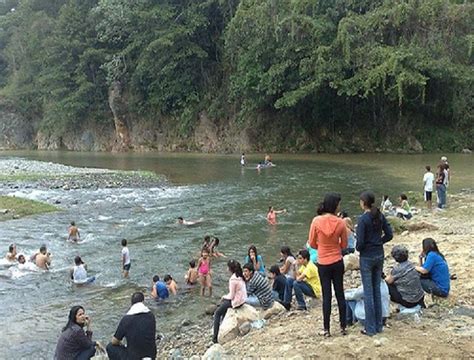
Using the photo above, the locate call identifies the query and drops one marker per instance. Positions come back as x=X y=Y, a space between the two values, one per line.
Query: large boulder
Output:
x=276 y=309
x=229 y=328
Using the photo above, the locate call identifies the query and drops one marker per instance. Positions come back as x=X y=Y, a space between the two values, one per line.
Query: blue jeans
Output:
x=430 y=287
x=253 y=300
x=86 y=354
x=371 y=273
x=301 y=288
x=350 y=312
x=441 y=192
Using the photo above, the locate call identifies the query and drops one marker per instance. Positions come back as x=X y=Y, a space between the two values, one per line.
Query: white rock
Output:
x=215 y=352
x=405 y=233
x=229 y=328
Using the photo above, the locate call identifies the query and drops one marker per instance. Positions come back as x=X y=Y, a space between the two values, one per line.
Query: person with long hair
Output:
x=441 y=185
x=234 y=299
x=373 y=231
x=328 y=234
x=255 y=259
x=434 y=270
x=74 y=343
x=289 y=262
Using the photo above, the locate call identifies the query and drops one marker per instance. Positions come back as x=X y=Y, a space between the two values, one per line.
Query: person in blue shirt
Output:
x=159 y=289
x=255 y=259
x=435 y=278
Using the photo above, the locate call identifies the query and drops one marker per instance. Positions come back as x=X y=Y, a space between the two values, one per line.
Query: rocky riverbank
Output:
x=21 y=173
x=445 y=329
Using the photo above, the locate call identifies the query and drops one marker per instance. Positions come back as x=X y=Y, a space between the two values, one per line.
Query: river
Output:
x=231 y=200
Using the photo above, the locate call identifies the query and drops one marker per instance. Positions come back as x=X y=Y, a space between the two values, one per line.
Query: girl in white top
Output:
x=289 y=262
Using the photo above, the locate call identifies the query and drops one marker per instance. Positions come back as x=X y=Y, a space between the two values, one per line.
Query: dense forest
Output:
x=230 y=75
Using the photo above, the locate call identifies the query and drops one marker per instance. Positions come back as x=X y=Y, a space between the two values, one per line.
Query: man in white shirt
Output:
x=428 y=180
x=125 y=258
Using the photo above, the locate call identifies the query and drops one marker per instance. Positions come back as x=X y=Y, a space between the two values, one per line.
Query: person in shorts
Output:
x=125 y=258
x=428 y=180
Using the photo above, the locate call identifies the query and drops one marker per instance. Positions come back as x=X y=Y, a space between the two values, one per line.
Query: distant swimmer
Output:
x=181 y=221
x=79 y=272
x=268 y=159
x=243 y=162
x=25 y=265
x=42 y=259
x=11 y=254
x=73 y=233
x=272 y=215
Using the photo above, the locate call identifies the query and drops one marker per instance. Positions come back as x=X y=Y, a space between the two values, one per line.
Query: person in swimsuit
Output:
x=11 y=254
x=272 y=215
x=204 y=271
x=42 y=259
x=73 y=233
x=192 y=275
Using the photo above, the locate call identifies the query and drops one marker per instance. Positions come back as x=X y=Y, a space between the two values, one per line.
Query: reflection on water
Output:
x=233 y=201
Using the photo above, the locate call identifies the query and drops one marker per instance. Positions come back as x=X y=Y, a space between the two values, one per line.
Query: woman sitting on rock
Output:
x=434 y=270
x=234 y=299
x=404 y=282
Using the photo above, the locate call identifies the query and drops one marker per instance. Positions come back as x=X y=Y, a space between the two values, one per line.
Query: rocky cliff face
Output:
x=126 y=133
x=16 y=132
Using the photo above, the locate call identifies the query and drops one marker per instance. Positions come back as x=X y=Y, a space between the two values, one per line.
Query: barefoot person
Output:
x=79 y=272
x=73 y=233
x=159 y=290
x=126 y=263
x=74 y=343
x=272 y=215
x=42 y=259
x=204 y=271
x=171 y=284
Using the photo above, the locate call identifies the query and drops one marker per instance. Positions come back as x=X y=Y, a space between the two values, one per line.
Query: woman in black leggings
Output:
x=328 y=234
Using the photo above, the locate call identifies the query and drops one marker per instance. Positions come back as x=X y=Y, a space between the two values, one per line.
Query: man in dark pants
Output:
x=138 y=326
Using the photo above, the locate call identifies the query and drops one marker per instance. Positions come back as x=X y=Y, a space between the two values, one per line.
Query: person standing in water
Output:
x=272 y=215
x=204 y=271
x=126 y=263
x=42 y=259
x=11 y=254
x=242 y=160
x=73 y=233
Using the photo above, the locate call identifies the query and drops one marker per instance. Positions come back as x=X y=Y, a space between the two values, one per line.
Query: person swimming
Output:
x=181 y=221
x=272 y=215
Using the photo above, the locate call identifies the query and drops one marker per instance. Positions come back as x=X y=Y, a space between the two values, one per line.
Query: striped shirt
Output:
x=259 y=286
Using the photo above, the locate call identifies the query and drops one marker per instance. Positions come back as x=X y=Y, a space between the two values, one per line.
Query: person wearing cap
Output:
x=79 y=272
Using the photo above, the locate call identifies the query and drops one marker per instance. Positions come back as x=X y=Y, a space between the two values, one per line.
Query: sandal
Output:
x=364 y=332
x=343 y=331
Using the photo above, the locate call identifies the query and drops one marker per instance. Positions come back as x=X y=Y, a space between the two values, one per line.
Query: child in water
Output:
x=171 y=284
x=204 y=271
x=192 y=275
x=213 y=248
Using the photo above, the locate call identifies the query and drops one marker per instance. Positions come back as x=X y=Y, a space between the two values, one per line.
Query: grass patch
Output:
x=15 y=208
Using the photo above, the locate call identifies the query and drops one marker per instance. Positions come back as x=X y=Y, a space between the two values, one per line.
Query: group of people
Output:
x=406 y=284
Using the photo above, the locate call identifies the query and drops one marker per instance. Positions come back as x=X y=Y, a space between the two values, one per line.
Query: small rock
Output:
x=185 y=322
x=175 y=354
x=405 y=233
x=466 y=151
x=285 y=348
x=57 y=201
x=244 y=329
x=4 y=211
x=211 y=309
x=380 y=342
x=215 y=352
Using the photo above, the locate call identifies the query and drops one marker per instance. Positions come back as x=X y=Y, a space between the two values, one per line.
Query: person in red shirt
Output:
x=272 y=215
x=328 y=234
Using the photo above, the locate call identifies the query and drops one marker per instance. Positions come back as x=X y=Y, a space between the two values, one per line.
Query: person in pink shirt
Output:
x=272 y=215
x=234 y=299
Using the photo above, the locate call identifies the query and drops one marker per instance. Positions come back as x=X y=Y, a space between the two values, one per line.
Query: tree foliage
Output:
x=318 y=63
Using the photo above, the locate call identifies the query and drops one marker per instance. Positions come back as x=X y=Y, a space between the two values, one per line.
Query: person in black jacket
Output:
x=370 y=242
x=138 y=326
x=74 y=343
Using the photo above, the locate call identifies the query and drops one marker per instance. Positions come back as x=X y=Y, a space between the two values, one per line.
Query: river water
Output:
x=231 y=200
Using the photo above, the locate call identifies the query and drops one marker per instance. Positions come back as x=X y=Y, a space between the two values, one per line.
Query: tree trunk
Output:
x=120 y=112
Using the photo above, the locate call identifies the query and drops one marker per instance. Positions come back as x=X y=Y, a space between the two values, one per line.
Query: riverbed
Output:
x=231 y=200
